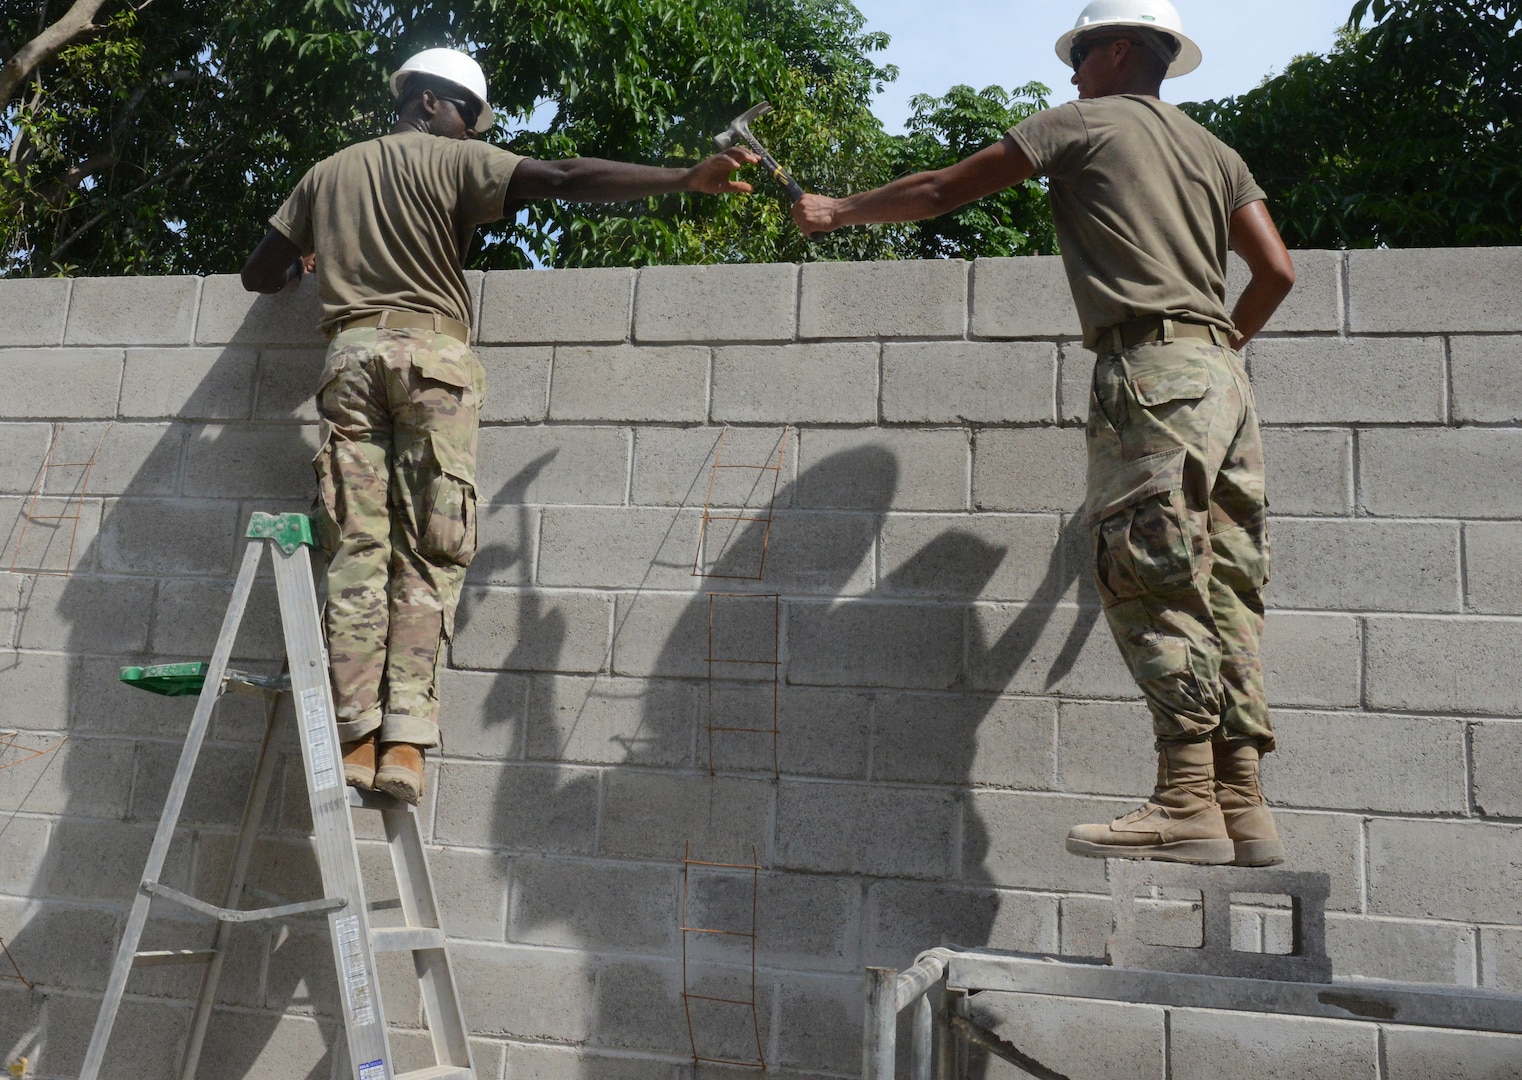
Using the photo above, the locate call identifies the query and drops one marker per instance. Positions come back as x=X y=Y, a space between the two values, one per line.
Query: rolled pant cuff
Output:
x=355 y=730
x=417 y=730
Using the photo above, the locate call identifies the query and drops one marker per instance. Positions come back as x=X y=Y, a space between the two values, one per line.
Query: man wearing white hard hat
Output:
x=400 y=394
x=1146 y=203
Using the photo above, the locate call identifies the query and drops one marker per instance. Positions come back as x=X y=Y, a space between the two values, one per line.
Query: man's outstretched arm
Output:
x=1253 y=236
x=600 y=180
x=275 y=263
x=920 y=195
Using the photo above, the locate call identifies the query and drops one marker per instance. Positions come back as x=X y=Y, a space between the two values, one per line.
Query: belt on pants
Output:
x=1121 y=336
x=408 y=320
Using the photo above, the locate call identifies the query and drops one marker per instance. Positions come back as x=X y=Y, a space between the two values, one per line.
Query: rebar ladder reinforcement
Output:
x=940 y=1036
x=688 y=997
x=774 y=661
x=700 y=562
x=354 y=941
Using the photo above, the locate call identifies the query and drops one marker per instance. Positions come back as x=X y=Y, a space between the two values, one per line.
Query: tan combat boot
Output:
x=401 y=771
x=1249 y=822
x=359 y=763
x=1179 y=823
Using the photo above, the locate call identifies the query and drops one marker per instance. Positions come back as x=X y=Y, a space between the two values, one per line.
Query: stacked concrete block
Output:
x=947 y=697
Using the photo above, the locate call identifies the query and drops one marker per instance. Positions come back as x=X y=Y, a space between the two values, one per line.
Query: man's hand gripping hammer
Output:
x=739 y=131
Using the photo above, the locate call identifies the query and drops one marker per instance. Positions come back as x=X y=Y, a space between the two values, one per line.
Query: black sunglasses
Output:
x=469 y=111
x=1084 y=46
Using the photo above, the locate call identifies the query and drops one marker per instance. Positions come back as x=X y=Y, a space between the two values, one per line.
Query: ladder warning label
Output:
x=356 y=980
x=373 y=1070
x=314 y=716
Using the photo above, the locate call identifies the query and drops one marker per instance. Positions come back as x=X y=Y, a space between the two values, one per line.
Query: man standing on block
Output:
x=1146 y=202
x=401 y=391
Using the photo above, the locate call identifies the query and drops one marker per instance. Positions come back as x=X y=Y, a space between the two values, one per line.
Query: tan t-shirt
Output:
x=1142 y=196
x=390 y=220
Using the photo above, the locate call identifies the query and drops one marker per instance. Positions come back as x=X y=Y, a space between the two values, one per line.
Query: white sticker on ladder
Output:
x=314 y=715
x=372 y=1070
x=356 y=980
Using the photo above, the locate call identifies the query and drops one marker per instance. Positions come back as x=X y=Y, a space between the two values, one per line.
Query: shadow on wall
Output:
x=152 y=585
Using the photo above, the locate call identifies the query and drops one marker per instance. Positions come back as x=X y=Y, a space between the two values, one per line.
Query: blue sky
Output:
x=1009 y=43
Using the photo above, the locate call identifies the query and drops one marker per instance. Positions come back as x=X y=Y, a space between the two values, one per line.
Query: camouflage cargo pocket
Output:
x=447 y=532
x=1158 y=376
x=325 y=501
x=1139 y=530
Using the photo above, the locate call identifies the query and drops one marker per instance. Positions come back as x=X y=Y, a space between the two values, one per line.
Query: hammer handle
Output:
x=779 y=174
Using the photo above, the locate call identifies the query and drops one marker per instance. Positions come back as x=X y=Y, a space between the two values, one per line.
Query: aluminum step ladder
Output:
x=354 y=941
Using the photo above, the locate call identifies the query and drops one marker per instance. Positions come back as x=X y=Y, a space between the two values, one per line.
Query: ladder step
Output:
x=439 y=1072
x=406 y=938
x=159 y=957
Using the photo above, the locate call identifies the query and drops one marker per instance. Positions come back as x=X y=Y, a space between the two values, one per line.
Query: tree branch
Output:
x=78 y=20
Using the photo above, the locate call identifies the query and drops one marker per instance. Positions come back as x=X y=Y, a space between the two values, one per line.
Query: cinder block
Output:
x=507 y=537
x=1016 y=840
x=1433 y=290
x=796 y=384
x=553 y=465
x=164 y=536
x=299 y=982
x=652 y=816
x=484 y=716
x=188 y=384
x=1022 y=298
x=920 y=299
x=218 y=788
x=668 y=634
x=103 y=861
x=627 y=383
x=1455 y=666
x=59 y=537
x=1440 y=473
x=1484 y=390
x=905 y=918
x=915 y=470
x=1364 y=948
x=130 y=459
x=517 y=807
x=1105 y=748
x=34 y=311
x=188 y=618
x=36 y=688
x=800 y=920
x=1001 y=557
x=1086 y=925
x=86 y=614
x=608 y=721
x=633 y=547
x=1075 y=383
x=742 y=303
x=964 y=740
x=148 y=1036
x=1497 y=751
x=1312 y=659
x=675 y=466
x=472 y=888
x=1310 y=471
x=521 y=630
x=877 y=830
x=517 y=384
x=1501 y=958
x=80 y=384
x=253 y=461
x=1271 y=1047
x=1313 y=306
x=822 y=733
x=1355 y=761
x=594 y=904
x=262 y=1044
x=1415 y=1054
x=531 y=1062
x=958 y=382
x=820 y=553
x=1359 y=381
x=230 y=313
x=62 y=947
x=1329 y=843
x=23 y=847
x=1029 y=469
x=286 y=388
x=80 y=777
x=132 y=311
x=819 y=1025
x=1098 y=1040
x=1363 y=565
x=906 y=646
x=23 y=448
x=525 y=307
x=1039 y=649
x=1458 y=871
x=1493 y=568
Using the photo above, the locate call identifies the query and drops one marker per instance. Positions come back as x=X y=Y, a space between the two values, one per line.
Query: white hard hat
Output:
x=1157 y=15
x=455 y=66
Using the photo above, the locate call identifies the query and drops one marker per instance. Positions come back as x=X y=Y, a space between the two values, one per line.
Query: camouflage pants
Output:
x=396 y=510
x=1178 y=528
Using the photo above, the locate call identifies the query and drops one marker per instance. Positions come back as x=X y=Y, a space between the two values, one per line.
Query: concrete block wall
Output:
x=949 y=701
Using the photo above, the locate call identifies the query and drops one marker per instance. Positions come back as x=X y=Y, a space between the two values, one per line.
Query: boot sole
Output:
x=364 y=779
x=1258 y=853
x=402 y=784
x=1198 y=852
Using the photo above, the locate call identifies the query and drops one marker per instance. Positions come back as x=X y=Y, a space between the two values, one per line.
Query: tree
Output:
x=1407 y=134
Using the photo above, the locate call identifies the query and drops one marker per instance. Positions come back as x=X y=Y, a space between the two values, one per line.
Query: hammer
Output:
x=739 y=131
